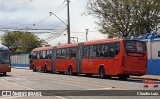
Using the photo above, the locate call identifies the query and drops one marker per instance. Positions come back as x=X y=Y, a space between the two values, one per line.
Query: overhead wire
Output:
x=41 y=21
x=57 y=8
x=53 y=36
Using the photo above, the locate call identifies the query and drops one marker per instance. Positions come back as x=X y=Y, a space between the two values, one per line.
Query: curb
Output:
x=157 y=79
x=27 y=68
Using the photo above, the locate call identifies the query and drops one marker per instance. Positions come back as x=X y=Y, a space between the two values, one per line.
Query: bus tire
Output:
x=34 y=69
x=123 y=77
x=45 y=69
x=4 y=73
x=70 y=72
x=102 y=72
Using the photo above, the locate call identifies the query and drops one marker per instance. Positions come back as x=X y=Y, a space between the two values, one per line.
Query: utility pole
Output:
x=87 y=34
x=68 y=26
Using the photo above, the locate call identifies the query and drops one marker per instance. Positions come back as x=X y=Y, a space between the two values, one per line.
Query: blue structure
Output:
x=153 y=67
x=153 y=46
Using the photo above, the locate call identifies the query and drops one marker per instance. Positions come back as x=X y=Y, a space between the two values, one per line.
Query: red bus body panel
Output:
x=62 y=65
x=5 y=68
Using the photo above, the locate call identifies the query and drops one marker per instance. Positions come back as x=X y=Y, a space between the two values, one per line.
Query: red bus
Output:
x=4 y=60
x=108 y=57
x=41 y=59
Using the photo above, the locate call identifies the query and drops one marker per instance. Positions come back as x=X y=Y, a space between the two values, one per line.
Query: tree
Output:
x=21 y=42
x=125 y=18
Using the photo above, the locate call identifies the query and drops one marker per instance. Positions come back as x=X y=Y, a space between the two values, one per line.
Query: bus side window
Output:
x=117 y=48
x=85 y=52
x=42 y=54
x=34 y=55
x=68 y=53
x=92 y=52
x=106 y=54
x=112 y=47
x=49 y=54
x=58 y=53
x=98 y=50
x=103 y=50
x=63 y=53
x=38 y=55
x=73 y=52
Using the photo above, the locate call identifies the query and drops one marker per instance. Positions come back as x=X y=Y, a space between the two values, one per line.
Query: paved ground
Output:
x=25 y=79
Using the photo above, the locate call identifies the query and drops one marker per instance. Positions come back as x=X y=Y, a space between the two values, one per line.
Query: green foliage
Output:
x=21 y=42
x=125 y=18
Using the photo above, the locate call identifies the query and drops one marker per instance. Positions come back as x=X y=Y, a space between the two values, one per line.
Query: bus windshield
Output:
x=135 y=46
x=4 y=56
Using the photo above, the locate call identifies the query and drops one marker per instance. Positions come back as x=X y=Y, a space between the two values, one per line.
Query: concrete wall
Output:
x=153 y=49
x=21 y=60
x=153 y=67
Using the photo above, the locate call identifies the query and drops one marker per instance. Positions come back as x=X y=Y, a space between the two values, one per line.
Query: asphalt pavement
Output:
x=25 y=79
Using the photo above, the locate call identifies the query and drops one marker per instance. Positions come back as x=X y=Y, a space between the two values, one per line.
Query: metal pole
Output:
x=68 y=26
x=8 y=40
x=77 y=39
x=87 y=34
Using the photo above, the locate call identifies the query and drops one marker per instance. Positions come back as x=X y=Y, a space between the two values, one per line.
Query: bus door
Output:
x=114 y=61
x=63 y=59
x=135 y=55
x=92 y=59
x=85 y=59
x=58 y=66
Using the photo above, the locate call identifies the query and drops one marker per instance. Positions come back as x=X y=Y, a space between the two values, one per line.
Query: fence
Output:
x=21 y=60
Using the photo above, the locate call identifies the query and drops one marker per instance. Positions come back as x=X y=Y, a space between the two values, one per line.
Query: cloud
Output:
x=35 y=14
x=14 y=5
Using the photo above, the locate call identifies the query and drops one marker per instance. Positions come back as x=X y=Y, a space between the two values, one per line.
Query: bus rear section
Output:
x=4 y=60
x=135 y=58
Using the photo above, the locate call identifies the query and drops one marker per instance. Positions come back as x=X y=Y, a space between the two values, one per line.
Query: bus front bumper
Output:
x=134 y=72
x=4 y=68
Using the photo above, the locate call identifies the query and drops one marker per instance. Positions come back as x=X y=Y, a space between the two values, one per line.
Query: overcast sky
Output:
x=20 y=14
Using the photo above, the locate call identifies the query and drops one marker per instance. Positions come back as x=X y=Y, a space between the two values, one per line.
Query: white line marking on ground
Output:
x=26 y=88
x=10 y=97
x=61 y=97
x=100 y=89
x=19 y=85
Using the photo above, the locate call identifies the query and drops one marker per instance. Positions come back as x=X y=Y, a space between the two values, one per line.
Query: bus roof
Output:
x=2 y=47
x=67 y=45
x=101 y=41
x=43 y=48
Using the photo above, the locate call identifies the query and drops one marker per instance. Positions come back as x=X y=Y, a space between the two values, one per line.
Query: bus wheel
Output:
x=34 y=68
x=70 y=70
x=102 y=72
x=45 y=69
x=4 y=73
x=123 y=77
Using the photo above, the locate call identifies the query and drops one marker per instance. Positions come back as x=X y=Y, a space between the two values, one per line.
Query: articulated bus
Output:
x=107 y=58
x=4 y=60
